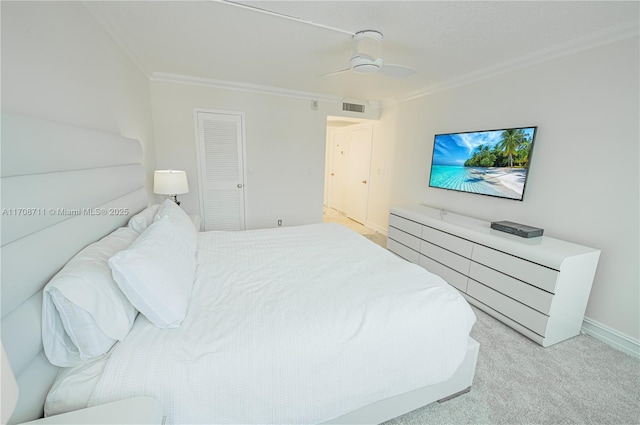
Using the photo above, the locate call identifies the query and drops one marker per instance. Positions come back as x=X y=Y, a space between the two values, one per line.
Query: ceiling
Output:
x=447 y=42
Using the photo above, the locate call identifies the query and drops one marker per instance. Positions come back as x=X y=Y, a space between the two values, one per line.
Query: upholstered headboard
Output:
x=62 y=187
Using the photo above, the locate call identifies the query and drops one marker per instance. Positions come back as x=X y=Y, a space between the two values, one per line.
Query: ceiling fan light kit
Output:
x=367 y=57
x=367 y=53
x=365 y=67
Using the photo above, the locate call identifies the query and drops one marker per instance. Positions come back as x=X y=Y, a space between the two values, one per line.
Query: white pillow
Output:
x=144 y=218
x=156 y=273
x=83 y=311
x=73 y=387
x=181 y=221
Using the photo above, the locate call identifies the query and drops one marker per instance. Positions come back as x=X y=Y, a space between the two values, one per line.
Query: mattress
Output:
x=292 y=325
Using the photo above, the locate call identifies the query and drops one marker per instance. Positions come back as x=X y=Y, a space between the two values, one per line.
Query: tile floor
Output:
x=331 y=215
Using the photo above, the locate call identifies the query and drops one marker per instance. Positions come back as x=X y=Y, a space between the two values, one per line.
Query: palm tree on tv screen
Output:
x=510 y=140
x=522 y=154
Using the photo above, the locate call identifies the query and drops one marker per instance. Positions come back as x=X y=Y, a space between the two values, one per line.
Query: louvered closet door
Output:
x=221 y=170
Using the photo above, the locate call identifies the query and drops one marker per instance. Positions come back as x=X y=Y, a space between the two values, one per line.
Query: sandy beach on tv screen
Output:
x=510 y=181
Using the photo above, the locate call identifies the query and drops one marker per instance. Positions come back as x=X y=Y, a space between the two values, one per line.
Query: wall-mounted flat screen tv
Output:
x=491 y=162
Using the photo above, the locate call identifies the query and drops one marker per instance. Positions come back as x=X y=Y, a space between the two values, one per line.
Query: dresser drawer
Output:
x=447 y=241
x=529 y=272
x=408 y=226
x=527 y=294
x=404 y=238
x=451 y=276
x=403 y=251
x=511 y=308
x=448 y=258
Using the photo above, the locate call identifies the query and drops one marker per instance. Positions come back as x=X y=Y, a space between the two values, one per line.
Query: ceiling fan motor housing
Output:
x=367 y=55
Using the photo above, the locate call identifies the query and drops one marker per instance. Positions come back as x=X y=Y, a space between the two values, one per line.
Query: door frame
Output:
x=200 y=164
x=334 y=183
x=350 y=180
x=357 y=123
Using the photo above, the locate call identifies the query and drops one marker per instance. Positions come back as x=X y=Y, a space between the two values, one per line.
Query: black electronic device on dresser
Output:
x=517 y=229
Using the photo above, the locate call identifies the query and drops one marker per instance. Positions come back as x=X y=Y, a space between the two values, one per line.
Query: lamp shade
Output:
x=170 y=182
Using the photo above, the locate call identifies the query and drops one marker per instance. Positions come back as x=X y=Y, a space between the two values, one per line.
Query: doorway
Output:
x=348 y=167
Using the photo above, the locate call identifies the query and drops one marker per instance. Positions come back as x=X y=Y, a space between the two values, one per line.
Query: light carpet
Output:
x=578 y=381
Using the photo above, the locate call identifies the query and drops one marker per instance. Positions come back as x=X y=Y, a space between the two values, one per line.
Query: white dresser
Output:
x=538 y=286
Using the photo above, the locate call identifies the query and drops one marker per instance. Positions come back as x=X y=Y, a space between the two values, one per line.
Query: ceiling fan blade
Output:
x=397 y=71
x=330 y=74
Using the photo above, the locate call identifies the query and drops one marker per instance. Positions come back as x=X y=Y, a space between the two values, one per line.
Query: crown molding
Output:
x=164 y=77
x=600 y=38
x=238 y=86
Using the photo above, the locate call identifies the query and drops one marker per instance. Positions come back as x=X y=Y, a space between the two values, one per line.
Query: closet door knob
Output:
x=239 y=185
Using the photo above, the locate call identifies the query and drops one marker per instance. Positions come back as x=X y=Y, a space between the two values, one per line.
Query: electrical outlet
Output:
x=279 y=223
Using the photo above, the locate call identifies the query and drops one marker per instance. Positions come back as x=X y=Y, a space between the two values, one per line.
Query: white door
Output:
x=359 y=160
x=337 y=170
x=220 y=141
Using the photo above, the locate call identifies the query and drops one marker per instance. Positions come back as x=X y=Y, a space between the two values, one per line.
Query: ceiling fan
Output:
x=367 y=53
x=367 y=57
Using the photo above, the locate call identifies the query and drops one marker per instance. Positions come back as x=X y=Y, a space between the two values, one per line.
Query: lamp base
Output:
x=175 y=199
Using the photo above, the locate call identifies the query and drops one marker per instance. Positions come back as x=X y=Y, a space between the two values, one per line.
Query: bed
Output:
x=307 y=324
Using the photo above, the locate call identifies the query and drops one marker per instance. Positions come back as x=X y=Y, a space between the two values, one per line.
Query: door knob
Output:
x=364 y=181
x=239 y=185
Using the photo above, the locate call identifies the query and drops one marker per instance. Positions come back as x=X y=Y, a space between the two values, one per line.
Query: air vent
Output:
x=353 y=107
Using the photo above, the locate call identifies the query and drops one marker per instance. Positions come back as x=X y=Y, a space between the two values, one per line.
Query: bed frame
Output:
x=383 y=410
x=51 y=175
x=50 y=171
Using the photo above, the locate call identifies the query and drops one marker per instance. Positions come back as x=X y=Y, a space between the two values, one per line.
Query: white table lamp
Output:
x=170 y=182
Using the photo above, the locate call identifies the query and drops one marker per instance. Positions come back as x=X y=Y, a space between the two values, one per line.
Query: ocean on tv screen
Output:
x=495 y=181
x=486 y=162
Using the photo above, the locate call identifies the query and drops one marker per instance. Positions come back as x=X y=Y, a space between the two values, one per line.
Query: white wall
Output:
x=583 y=184
x=59 y=64
x=382 y=174
x=285 y=141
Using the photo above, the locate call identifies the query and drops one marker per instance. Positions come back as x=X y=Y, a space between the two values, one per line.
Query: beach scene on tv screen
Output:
x=486 y=162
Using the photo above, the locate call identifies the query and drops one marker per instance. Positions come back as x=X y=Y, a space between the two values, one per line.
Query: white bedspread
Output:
x=293 y=325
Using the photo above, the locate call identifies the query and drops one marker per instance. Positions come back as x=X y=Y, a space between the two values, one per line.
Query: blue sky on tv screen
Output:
x=455 y=149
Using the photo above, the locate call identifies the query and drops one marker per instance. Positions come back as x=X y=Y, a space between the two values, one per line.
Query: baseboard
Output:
x=611 y=337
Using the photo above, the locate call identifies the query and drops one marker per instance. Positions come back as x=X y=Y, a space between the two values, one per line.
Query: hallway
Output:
x=331 y=215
